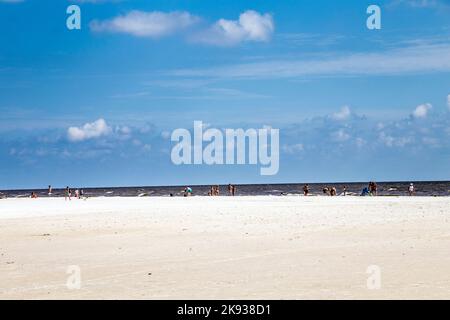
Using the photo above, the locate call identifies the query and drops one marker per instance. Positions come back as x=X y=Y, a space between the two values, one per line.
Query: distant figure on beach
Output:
x=332 y=191
x=33 y=195
x=81 y=193
x=187 y=192
x=49 y=190
x=344 y=192
x=411 y=190
x=77 y=194
x=231 y=189
x=67 y=193
x=326 y=191
x=365 y=191
x=373 y=188
x=305 y=190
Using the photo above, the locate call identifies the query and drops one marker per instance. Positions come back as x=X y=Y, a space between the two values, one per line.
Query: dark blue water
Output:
x=431 y=188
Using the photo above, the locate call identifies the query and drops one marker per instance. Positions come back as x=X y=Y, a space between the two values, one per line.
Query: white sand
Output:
x=225 y=248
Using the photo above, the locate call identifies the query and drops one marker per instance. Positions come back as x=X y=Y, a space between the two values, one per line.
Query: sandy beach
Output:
x=258 y=247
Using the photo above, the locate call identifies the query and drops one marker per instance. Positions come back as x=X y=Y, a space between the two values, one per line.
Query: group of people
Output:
x=78 y=194
x=215 y=190
x=370 y=190
x=330 y=191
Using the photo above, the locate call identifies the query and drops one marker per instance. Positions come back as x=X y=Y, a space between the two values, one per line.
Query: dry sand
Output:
x=225 y=248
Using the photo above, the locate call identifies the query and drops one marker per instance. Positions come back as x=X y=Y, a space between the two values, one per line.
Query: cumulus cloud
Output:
x=421 y=111
x=152 y=24
x=90 y=130
x=251 y=26
x=343 y=114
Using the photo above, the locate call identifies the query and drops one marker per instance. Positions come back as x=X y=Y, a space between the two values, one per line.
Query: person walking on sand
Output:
x=67 y=193
x=49 y=190
x=305 y=190
x=411 y=190
x=344 y=193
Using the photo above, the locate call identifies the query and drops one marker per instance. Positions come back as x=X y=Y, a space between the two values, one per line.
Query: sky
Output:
x=97 y=106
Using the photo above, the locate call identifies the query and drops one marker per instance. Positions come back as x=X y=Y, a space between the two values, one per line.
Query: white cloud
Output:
x=91 y=130
x=251 y=26
x=152 y=24
x=421 y=111
x=343 y=114
x=340 y=135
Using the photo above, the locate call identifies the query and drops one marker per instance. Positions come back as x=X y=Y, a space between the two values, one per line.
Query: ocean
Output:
x=427 y=188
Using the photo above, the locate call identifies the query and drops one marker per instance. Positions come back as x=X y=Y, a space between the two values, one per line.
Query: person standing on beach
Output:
x=411 y=190
x=230 y=189
x=67 y=193
x=344 y=192
x=373 y=188
x=233 y=190
x=305 y=190
x=49 y=190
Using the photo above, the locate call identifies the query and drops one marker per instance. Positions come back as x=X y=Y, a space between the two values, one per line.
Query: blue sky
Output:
x=351 y=104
